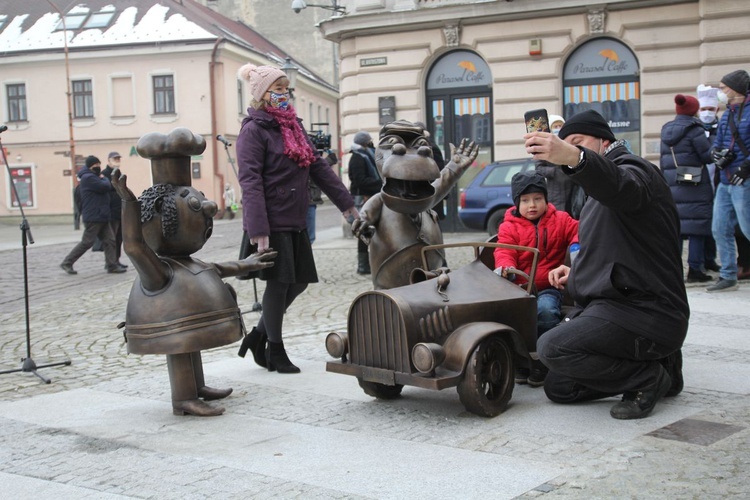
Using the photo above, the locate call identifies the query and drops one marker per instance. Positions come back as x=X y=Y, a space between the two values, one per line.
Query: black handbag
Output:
x=687 y=175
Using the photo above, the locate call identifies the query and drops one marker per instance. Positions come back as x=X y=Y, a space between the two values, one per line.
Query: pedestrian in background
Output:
x=684 y=144
x=732 y=158
x=95 y=211
x=564 y=194
x=708 y=113
x=276 y=161
x=115 y=205
x=364 y=181
x=632 y=311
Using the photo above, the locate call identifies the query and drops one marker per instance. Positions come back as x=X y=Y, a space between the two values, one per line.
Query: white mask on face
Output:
x=707 y=116
x=722 y=97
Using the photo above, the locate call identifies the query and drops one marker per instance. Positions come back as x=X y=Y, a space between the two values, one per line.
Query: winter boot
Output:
x=256 y=342
x=276 y=359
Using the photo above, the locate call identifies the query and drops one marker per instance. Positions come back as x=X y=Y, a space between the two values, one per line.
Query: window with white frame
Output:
x=83 y=99
x=163 y=94
x=16 y=94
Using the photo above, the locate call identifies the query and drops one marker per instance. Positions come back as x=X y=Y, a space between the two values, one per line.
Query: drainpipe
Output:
x=214 y=149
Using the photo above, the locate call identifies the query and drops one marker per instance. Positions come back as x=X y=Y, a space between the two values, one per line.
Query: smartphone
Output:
x=536 y=120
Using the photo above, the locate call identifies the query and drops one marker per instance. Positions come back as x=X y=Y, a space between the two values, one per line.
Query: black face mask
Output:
x=96 y=170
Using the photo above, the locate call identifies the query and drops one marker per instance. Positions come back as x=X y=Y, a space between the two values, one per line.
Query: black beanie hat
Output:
x=739 y=81
x=526 y=183
x=587 y=123
x=91 y=161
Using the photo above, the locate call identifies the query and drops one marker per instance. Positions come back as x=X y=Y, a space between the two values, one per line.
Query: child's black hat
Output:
x=527 y=182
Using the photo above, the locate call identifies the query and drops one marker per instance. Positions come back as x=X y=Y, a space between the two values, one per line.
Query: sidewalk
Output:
x=104 y=429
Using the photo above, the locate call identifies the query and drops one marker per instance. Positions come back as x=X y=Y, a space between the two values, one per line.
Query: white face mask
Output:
x=707 y=116
x=722 y=97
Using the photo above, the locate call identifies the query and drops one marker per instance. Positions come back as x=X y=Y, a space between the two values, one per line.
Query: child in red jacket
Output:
x=536 y=223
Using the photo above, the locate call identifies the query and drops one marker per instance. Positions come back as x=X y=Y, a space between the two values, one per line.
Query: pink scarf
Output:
x=296 y=145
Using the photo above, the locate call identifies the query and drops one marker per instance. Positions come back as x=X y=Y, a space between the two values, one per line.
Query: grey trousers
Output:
x=93 y=230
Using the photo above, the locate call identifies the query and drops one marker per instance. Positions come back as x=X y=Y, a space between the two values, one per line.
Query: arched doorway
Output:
x=603 y=74
x=459 y=104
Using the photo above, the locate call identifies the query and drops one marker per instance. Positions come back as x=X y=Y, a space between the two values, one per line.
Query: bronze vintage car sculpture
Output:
x=465 y=328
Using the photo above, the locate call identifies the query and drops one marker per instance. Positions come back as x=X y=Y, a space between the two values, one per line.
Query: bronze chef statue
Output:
x=178 y=305
x=398 y=221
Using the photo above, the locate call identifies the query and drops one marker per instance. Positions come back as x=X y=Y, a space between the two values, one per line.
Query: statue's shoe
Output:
x=209 y=393
x=195 y=407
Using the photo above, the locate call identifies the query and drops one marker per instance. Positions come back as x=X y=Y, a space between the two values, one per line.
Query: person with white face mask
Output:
x=731 y=153
x=632 y=312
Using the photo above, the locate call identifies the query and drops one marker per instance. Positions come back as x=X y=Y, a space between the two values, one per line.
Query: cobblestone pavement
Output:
x=103 y=429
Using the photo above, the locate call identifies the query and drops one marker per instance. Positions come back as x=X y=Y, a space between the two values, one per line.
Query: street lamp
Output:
x=291 y=73
x=298 y=5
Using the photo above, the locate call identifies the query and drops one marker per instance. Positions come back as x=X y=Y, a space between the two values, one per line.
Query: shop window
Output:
x=23 y=179
x=83 y=99
x=16 y=102
x=603 y=75
x=164 y=94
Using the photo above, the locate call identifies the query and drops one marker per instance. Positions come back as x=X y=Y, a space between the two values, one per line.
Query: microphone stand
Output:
x=257 y=307
x=28 y=365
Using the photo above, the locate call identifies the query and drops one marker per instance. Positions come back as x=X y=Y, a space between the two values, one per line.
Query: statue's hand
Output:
x=464 y=155
x=361 y=228
x=259 y=261
x=120 y=183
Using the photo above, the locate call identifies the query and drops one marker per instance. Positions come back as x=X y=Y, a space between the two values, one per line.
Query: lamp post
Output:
x=291 y=71
x=299 y=5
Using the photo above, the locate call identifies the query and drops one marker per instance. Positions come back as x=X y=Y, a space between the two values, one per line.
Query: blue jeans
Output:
x=548 y=313
x=311 y=222
x=731 y=207
x=592 y=358
x=696 y=252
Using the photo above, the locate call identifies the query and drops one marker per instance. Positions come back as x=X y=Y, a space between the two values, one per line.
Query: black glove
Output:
x=741 y=174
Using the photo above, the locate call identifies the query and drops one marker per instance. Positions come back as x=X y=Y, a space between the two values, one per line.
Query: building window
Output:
x=164 y=94
x=603 y=74
x=240 y=97
x=83 y=99
x=72 y=20
x=23 y=178
x=16 y=102
x=100 y=19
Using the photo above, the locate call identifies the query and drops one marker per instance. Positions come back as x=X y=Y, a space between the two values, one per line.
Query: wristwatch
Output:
x=581 y=160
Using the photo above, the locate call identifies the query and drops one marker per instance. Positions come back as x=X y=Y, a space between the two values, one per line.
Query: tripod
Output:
x=257 y=307
x=26 y=238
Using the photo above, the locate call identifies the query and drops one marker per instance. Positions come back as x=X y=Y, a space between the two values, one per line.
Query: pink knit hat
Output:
x=259 y=78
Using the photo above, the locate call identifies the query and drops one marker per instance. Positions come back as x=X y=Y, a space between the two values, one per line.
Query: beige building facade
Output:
x=135 y=67
x=471 y=69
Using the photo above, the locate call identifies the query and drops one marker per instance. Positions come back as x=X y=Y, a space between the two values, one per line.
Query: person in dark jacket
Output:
x=365 y=181
x=95 y=211
x=631 y=312
x=276 y=160
x=684 y=142
x=733 y=192
x=115 y=205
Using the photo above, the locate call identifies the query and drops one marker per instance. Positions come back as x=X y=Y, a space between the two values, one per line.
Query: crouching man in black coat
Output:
x=632 y=311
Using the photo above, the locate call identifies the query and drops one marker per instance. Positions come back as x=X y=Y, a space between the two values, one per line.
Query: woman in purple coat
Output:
x=276 y=159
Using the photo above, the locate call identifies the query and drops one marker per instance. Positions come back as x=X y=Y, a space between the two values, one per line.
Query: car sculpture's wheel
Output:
x=380 y=391
x=495 y=219
x=488 y=379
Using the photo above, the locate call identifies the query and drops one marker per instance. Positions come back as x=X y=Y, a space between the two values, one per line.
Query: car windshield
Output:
x=502 y=174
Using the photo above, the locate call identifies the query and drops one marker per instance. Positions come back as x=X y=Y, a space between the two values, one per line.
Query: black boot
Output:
x=673 y=365
x=276 y=359
x=697 y=276
x=363 y=263
x=256 y=342
x=639 y=404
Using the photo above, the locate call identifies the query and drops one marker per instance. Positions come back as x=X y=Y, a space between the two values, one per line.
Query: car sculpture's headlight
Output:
x=337 y=344
x=427 y=356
